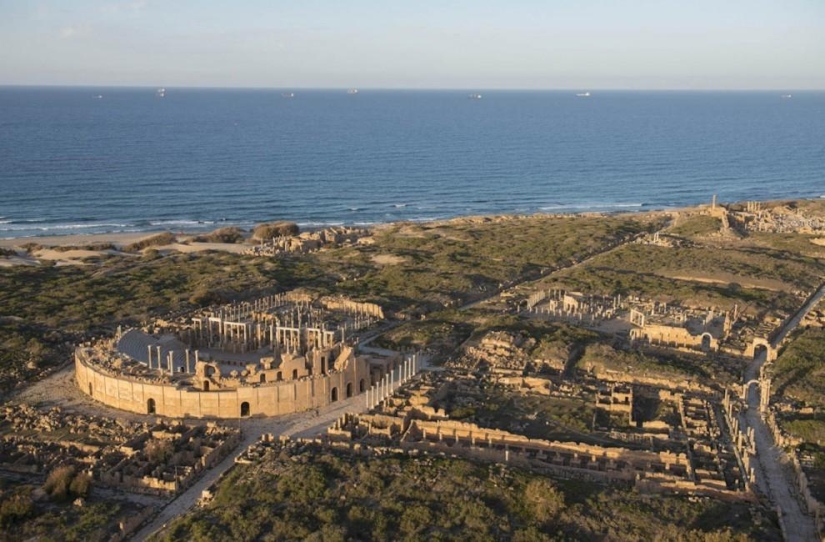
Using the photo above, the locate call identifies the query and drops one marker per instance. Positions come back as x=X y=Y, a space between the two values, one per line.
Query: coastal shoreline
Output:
x=74 y=248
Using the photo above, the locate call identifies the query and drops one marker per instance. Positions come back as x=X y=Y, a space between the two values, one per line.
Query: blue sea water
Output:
x=71 y=162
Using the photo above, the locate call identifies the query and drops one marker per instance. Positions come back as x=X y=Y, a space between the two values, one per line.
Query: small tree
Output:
x=14 y=508
x=81 y=485
x=58 y=482
x=158 y=450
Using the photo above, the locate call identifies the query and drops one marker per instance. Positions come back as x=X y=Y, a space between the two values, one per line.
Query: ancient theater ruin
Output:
x=275 y=355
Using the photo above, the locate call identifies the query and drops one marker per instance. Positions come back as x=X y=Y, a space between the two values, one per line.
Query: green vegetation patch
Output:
x=602 y=358
x=696 y=226
x=312 y=493
x=42 y=308
x=799 y=372
x=31 y=513
x=444 y=264
x=761 y=278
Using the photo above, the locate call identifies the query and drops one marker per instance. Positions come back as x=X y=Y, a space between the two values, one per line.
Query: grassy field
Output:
x=310 y=493
x=44 y=310
x=24 y=518
x=799 y=372
x=600 y=357
x=444 y=264
x=755 y=278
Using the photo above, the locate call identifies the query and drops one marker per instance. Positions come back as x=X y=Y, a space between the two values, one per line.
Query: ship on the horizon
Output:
x=161 y=93
x=475 y=96
x=583 y=94
x=287 y=95
x=786 y=96
x=352 y=91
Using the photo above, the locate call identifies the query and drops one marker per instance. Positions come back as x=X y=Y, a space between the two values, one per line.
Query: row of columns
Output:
x=170 y=359
x=393 y=380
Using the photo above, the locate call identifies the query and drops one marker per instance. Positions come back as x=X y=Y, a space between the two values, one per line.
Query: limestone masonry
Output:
x=275 y=355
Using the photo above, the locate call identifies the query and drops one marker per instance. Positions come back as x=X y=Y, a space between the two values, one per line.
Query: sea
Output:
x=94 y=160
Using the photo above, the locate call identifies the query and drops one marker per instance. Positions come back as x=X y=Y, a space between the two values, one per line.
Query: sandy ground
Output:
x=745 y=282
x=388 y=259
x=118 y=239
x=77 y=256
x=60 y=390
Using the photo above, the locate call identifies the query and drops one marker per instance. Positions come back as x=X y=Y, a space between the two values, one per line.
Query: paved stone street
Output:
x=298 y=425
x=775 y=477
x=301 y=424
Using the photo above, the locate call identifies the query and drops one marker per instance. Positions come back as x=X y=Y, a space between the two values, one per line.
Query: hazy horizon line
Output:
x=407 y=89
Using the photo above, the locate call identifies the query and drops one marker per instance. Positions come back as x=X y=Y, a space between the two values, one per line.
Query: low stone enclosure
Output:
x=275 y=355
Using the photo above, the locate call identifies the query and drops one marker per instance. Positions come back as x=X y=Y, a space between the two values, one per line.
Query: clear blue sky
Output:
x=482 y=44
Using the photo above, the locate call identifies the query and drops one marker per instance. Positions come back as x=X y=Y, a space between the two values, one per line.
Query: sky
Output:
x=484 y=44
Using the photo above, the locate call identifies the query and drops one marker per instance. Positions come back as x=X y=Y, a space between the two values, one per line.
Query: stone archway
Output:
x=362 y=386
x=205 y=385
x=707 y=342
x=759 y=349
x=150 y=406
x=334 y=395
x=349 y=390
x=244 y=409
x=263 y=378
x=760 y=346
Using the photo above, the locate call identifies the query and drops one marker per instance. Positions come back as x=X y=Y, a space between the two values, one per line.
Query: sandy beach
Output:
x=117 y=239
x=52 y=247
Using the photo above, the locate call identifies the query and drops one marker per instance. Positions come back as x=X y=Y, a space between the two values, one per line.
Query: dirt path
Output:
x=606 y=250
x=60 y=390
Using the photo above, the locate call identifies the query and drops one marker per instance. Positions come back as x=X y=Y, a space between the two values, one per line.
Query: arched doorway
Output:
x=263 y=378
x=759 y=350
x=205 y=385
x=279 y=376
x=361 y=386
x=244 y=409
x=334 y=394
x=294 y=374
x=150 y=406
x=706 y=341
x=349 y=389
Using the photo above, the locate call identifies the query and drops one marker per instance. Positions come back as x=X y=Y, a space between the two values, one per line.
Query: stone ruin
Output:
x=410 y=424
x=114 y=452
x=274 y=355
x=654 y=323
x=779 y=219
x=574 y=307
x=679 y=327
x=307 y=242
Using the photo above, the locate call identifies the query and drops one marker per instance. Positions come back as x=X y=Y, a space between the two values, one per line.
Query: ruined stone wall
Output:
x=270 y=399
x=678 y=336
x=353 y=307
